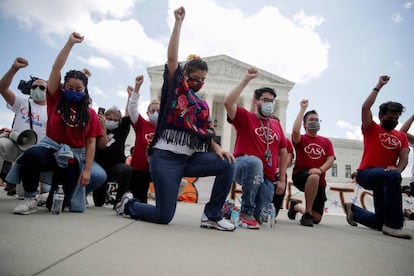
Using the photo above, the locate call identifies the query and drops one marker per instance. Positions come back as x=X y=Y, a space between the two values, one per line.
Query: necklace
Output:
x=71 y=117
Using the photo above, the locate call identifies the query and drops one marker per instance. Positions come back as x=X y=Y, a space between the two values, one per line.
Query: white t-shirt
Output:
x=22 y=120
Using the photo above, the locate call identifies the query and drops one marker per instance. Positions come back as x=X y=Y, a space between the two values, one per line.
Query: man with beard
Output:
x=260 y=142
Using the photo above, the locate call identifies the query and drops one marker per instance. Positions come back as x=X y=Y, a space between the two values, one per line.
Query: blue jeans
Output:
x=98 y=177
x=386 y=187
x=167 y=169
x=257 y=190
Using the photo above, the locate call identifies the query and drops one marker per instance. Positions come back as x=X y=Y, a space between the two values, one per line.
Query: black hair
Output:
x=390 y=107
x=82 y=112
x=259 y=92
x=308 y=113
x=195 y=64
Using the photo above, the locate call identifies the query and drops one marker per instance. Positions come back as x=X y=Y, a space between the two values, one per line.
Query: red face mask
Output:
x=194 y=84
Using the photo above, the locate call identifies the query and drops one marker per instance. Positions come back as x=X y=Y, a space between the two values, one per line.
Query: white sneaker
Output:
x=222 y=224
x=120 y=206
x=395 y=232
x=41 y=199
x=29 y=206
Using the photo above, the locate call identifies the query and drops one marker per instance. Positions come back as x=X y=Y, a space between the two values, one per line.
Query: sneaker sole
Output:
x=246 y=226
x=26 y=212
x=213 y=225
x=307 y=224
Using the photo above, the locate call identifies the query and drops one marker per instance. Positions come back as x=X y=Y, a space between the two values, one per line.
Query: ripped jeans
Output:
x=257 y=190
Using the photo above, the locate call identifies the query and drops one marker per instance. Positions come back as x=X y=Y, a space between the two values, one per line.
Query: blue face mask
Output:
x=73 y=96
x=153 y=117
x=267 y=109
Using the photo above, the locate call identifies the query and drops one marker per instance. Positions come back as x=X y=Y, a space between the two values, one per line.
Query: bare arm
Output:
x=85 y=175
x=366 y=114
x=402 y=159
x=283 y=163
x=55 y=74
x=406 y=126
x=173 y=45
x=129 y=90
x=298 y=122
x=221 y=153
x=230 y=101
x=328 y=164
x=6 y=80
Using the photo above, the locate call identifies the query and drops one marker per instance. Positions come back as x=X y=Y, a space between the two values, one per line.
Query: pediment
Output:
x=223 y=67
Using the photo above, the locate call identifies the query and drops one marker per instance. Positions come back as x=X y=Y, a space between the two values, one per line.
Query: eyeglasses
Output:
x=41 y=87
x=266 y=100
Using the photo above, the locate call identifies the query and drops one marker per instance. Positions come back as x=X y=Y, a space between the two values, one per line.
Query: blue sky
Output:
x=334 y=50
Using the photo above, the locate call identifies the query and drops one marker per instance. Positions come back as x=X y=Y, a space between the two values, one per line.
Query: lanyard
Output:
x=267 y=153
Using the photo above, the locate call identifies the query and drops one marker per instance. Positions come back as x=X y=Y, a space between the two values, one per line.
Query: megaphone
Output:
x=24 y=139
x=14 y=143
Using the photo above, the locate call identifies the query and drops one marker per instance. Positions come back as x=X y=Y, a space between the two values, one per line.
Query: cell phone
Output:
x=101 y=111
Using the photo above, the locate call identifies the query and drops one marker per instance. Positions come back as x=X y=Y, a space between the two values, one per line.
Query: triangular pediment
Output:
x=223 y=67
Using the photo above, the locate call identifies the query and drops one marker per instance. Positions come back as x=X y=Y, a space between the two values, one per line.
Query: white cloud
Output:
x=351 y=131
x=98 y=62
x=407 y=5
x=290 y=47
x=396 y=17
x=310 y=22
x=281 y=45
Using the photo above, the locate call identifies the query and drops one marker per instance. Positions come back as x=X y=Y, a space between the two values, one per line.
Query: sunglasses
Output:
x=42 y=87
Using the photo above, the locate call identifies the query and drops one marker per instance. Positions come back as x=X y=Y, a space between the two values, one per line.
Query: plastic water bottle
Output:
x=58 y=198
x=235 y=217
x=271 y=215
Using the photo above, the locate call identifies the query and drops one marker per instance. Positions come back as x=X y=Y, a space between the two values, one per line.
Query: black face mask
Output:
x=389 y=124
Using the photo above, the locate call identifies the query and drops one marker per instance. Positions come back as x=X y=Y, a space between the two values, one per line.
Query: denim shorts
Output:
x=299 y=181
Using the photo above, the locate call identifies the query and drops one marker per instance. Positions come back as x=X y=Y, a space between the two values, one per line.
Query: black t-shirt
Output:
x=114 y=152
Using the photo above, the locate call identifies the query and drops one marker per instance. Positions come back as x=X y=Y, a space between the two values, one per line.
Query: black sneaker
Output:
x=292 y=213
x=349 y=214
x=11 y=192
x=307 y=220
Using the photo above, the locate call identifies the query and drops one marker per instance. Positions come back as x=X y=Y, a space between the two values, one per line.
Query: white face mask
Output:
x=37 y=94
x=110 y=125
x=153 y=117
x=314 y=125
x=267 y=109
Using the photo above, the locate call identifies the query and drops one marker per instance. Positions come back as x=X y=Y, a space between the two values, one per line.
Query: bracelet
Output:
x=376 y=89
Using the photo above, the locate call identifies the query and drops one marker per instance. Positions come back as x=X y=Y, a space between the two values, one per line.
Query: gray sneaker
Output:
x=29 y=206
x=120 y=206
x=222 y=224
x=395 y=232
x=349 y=214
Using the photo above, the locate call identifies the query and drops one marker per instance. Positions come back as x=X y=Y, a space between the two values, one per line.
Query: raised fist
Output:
x=20 y=63
x=179 y=14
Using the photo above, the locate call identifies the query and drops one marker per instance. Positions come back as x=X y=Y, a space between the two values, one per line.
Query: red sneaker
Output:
x=248 y=222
